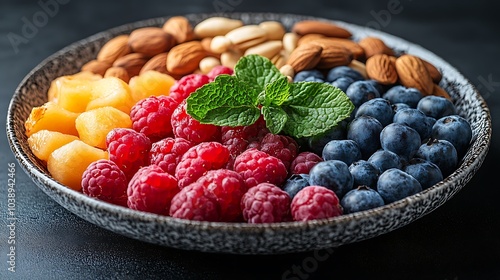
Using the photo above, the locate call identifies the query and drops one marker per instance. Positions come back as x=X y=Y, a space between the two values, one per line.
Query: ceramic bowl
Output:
x=240 y=238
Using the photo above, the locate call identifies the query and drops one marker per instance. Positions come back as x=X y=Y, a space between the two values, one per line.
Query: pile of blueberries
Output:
x=396 y=143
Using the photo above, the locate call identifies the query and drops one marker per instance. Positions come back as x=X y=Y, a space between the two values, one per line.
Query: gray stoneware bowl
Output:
x=239 y=238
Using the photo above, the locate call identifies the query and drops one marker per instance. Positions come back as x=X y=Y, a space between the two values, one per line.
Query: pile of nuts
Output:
x=179 y=48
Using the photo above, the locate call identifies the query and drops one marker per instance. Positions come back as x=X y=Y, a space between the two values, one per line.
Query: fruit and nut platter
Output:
x=249 y=123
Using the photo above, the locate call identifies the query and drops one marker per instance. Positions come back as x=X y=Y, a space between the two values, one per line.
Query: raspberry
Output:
x=259 y=167
x=228 y=187
x=198 y=160
x=283 y=147
x=151 y=116
x=195 y=202
x=315 y=202
x=167 y=153
x=187 y=85
x=104 y=180
x=129 y=149
x=151 y=190
x=303 y=163
x=265 y=203
x=186 y=127
x=219 y=70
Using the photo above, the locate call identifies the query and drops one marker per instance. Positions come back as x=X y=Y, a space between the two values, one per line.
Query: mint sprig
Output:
x=299 y=109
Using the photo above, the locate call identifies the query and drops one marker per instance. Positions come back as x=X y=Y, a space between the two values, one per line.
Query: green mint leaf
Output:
x=314 y=108
x=276 y=92
x=275 y=118
x=257 y=71
x=225 y=101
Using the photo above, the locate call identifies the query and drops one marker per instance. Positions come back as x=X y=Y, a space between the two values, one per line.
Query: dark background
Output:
x=459 y=240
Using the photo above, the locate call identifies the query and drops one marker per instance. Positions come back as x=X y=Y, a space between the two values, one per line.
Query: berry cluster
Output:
x=396 y=143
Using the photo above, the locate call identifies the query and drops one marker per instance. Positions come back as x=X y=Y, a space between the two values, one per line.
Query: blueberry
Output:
x=384 y=160
x=440 y=152
x=295 y=183
x=313 y=79
x=360 y=199
x=400 y=139
x=302 y=75
x=455 y=129
x=402 y=94
x=380 y=87
x=426 y=172
x=436 y=106
x=317 y=142
x=361 y=91
x=343 y=71
x=395 y=184
x=378 y=108
x=417 y=120
x=342 y=83
x=344 y=150
x=398 y=106
x=364 y=173
x=365 y=131
x=332 y=174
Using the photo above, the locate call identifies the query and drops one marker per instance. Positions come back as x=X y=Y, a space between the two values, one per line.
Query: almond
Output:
x=180 y=28
x=334 y=55
x=118 y=72
x=359 y=66
x=157 y=63
x=150 y=41
x=380 y=68
x=413 y=73
x=357 y=51
x=185 y=58
x=433 y=71
x=132 y=62
x=305 y=57
x=114 y=48
x=309 y=38
x=97 y=67
x=439 y=91
x=267 y=49
x=320 y=27
x=373 y=46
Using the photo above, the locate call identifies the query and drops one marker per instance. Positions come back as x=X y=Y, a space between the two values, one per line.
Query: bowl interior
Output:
x=238 y=237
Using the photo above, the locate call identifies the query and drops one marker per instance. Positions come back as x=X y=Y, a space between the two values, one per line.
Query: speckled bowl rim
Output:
x=241 y=238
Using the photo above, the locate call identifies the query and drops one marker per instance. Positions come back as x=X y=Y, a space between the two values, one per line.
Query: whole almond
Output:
x=118 y=72
x=114 y=48
x=334 y=55
x=309 y=38
x=150 y=41
x=132 y=62
x=439 y=91
x=380 y=68
x=413 y=73
x=95 y=66
x=305 y=57
x=433 y=71
x=357 y=51
x=373 y=45
x=180 y=28
x=215 y=26
x=157 y=63
x=185 y=58
x=320 y=27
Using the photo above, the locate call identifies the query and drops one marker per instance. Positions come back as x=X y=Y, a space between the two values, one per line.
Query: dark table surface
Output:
x=459 y=240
